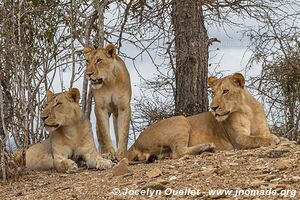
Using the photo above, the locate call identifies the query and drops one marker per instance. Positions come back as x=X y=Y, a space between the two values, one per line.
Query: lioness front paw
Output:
x=73 y=168
x=67 y=166
x=120 y=154
x=274 y=140
x=102 y=163
x=109 y=154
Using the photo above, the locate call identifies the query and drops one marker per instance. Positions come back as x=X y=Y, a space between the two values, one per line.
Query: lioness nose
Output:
x=214 y=108
x=89 y=73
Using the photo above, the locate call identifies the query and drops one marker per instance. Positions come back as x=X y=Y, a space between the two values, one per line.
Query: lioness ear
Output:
x=238 y=79
x=74 y=94
x=111 y=50
x=87 y=49
x=212 y=81
x=49 y=94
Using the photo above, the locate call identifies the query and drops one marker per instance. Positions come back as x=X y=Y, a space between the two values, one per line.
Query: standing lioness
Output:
x=237 y=121
x=70 y=137
x=112 y=93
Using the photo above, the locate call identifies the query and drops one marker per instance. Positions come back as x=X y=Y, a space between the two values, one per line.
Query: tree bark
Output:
x=191 y=47
x=87 y=96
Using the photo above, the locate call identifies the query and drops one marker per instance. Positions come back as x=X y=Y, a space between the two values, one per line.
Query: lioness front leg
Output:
x=103 y=135
x=63 y=164
x=247 y=142
x=123 y=121
x=240 y=133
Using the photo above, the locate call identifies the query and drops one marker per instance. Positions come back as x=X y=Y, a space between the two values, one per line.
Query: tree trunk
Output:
x=191 y=47
x=87 y=96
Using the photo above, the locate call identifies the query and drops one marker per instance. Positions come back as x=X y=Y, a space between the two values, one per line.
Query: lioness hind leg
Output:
x=115 y=123
x=123 y=122
x=194 y=150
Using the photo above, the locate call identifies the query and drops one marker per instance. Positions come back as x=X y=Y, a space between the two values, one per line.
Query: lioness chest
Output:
x=110 y=99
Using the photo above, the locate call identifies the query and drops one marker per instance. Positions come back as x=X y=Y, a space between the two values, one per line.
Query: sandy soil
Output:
x=258 y=171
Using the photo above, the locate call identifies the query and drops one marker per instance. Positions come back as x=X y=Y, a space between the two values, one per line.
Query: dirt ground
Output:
x=263 y=173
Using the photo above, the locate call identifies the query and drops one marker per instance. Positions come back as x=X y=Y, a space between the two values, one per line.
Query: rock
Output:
x=297 y=152
x=257 y=183
x=172 y=178
x=287 y=143
x=266 y=170
x=248 y=153
x=127 y=174
x=222 y=170
x=121 y=168
x=295 y=179
x=260 y=176
x=270 y=177
x=274 y=153
x=283 y=148
x=230 y=153
x=208 y=170
x=283 y=164
x=233 y=164
x=283 y=139
x=275 y=180
x=17 y=193
x=139 y=182
x=186 y=157
x=277 y=187
x=162 y=181
x=154 y=186
x=154 y=173
x=217 y=196
x=205 y=154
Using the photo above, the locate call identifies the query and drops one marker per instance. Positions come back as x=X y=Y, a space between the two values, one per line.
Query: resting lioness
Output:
x=112 y=93
x=70 y=137
x=237 y=121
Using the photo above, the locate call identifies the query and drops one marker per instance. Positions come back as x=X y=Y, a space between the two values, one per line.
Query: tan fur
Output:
x=237 y=121
x=70 y=137
x=112 y=92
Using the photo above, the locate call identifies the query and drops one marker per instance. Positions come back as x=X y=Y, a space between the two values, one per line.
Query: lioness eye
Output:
x=58 y=103
x=87 y=61
x=98 y=60
x=225 y=91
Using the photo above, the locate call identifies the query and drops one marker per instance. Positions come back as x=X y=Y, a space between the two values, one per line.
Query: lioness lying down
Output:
x=237 y=121
x=70 y=137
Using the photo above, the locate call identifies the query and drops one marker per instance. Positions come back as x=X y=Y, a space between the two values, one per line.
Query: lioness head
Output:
x=100 y=64
x=61 y=109
x=227 y=94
